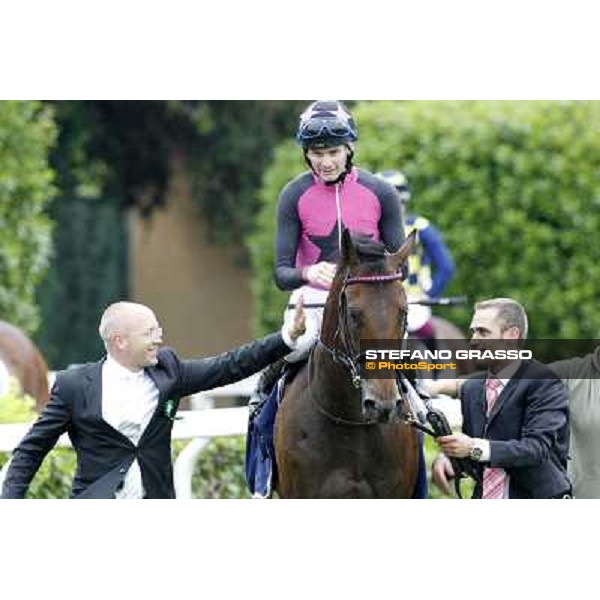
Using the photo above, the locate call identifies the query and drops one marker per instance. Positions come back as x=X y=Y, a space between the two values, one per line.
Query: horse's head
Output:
x=367 y=302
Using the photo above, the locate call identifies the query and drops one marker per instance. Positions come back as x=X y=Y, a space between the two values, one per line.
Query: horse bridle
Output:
x=349 y=356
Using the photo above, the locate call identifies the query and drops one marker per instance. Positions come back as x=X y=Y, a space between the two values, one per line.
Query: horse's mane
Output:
x=370 y=252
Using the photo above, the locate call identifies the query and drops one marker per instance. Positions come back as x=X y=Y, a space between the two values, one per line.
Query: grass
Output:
x=219 y=472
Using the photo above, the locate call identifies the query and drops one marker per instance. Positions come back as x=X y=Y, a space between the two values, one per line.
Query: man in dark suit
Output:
x=515 y=416
x=119 y=411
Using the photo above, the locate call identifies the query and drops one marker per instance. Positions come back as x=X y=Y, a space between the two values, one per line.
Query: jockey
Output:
x=430 y=267
x=313 y=209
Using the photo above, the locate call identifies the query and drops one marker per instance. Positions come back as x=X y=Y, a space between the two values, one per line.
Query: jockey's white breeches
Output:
x=418 y=315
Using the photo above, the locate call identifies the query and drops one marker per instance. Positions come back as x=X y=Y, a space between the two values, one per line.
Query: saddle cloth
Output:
x=261 y=467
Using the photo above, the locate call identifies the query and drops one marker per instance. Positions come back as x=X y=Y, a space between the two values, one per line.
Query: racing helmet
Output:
x=324 y=124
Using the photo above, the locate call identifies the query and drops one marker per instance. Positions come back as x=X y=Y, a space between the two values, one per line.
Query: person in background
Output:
x=430 y=267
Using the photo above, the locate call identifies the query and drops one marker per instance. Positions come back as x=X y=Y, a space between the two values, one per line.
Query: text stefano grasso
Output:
x=471 y=354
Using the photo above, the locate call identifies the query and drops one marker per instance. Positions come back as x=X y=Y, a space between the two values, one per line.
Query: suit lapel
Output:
x=479 y=410
x=506 y=392
x=155 y=375
x=158 y=378
x=93 y=390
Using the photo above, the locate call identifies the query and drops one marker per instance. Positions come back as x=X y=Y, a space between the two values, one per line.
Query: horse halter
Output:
x=349 y=356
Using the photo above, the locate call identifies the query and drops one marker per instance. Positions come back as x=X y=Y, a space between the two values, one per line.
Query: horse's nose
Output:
x=383 y=412
x=369 y=405
x=380 y=400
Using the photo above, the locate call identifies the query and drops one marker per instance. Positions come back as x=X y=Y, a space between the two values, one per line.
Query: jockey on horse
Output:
x=430 y=267
x=312 y=211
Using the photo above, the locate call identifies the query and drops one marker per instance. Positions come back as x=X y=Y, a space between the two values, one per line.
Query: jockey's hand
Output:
x=298 y=326
x=320 y=274
x=457 y=445
x=441 y=473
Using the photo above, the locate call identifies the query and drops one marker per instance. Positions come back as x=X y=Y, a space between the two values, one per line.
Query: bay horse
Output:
x=338 y=435
x=23 y=360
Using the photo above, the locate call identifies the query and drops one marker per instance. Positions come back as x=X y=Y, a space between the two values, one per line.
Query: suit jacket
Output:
x=528 y=430
x=104 y=455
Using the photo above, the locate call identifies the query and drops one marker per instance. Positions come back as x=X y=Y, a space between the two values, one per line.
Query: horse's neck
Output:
x=331 y=386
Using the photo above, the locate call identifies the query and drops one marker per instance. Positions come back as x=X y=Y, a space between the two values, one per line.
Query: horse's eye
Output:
x=355 y=316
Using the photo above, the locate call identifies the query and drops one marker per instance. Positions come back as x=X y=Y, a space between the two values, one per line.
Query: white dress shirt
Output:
x=129 y=399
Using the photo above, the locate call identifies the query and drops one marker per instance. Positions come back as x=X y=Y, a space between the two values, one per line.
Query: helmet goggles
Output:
x=325 y=127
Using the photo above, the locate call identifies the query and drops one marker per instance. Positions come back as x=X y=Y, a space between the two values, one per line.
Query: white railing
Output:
x=200 y=426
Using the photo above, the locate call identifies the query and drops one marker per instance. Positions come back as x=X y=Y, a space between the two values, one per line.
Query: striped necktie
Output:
x=493 y=478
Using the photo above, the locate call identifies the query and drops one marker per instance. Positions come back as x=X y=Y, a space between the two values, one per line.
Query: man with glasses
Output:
x=119 y=412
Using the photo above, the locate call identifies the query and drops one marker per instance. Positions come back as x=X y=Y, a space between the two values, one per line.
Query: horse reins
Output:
x=326 y=413
x=348 y=357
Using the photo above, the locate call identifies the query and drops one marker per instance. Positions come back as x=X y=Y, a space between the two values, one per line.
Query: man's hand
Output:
x=441 y=473
x=320 y=274
x=298 y=326
x=457 y=445
x=435 y=387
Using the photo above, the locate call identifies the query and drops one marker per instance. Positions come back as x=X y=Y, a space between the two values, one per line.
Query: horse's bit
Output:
x=348 y=356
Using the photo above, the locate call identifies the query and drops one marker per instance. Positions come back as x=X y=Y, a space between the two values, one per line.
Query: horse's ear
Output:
x=349 y=255
x=398 y=259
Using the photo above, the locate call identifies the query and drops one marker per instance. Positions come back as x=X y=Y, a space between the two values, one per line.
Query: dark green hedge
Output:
x=89 y=272
x=513 y=186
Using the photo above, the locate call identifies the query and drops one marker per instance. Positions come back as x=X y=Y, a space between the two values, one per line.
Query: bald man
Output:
x=119 y=411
